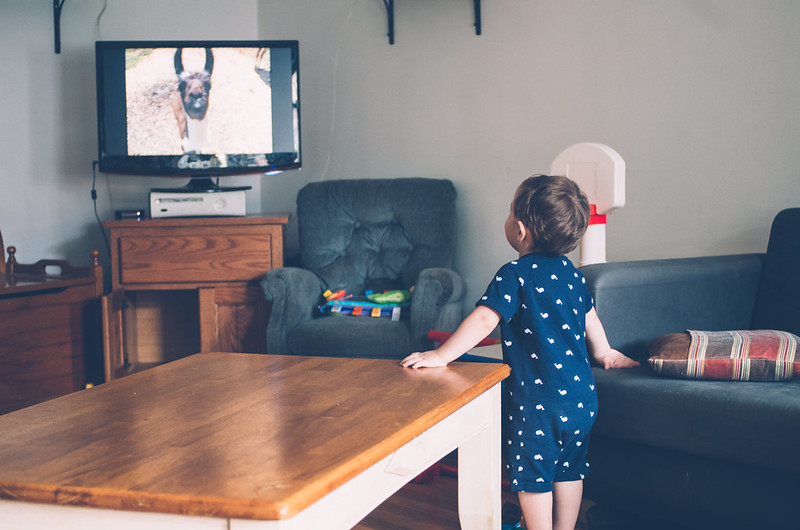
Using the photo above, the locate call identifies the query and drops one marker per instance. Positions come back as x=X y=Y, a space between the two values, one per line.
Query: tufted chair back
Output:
x=375 y=233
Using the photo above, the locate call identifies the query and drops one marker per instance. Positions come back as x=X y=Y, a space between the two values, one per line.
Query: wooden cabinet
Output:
x=49 y=331
x=183 y=285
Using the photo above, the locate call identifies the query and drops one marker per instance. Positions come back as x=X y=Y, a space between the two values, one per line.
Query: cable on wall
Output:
x=333 y=89
x=94 y=202
x=97 y=21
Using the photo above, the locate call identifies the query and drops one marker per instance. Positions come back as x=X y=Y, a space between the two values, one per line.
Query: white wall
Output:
x=698 y=96
x=48 y=129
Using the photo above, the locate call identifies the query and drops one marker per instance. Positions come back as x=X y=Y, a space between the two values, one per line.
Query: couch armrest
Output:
x=639 y=300
x=294 y=294
x=436 y=304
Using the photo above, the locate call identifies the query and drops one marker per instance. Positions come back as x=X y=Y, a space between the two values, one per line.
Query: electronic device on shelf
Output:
x=171 y=203
x=199 y=109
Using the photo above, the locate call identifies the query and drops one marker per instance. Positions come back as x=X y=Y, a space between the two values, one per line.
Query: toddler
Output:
x=547 y=321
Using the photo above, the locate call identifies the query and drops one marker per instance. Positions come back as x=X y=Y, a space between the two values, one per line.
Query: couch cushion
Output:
x=778 y=301
x=638 y=301
x=750 y=422
x=760 y=355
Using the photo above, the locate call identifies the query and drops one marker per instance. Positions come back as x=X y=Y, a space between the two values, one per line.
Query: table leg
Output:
x=479 y=470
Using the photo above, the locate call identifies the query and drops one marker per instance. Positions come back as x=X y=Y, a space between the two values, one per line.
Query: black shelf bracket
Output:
x=389 y=4
x=57 y=5
x=390 y=19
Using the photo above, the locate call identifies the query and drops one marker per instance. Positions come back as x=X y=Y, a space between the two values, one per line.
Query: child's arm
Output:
x=599 y=347
x=472 y=330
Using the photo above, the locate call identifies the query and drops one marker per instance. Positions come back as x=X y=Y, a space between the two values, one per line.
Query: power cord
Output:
x=94 y=201
x=97 y=20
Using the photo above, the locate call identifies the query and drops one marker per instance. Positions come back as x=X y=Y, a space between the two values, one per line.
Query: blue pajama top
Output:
x=549 y=403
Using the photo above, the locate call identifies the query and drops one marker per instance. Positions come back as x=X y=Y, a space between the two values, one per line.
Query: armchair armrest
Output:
x=639 y=300
x=437 y=303
x=293 y=293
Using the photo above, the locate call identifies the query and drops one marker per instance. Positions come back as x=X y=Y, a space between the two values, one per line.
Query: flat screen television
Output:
x=199 y=109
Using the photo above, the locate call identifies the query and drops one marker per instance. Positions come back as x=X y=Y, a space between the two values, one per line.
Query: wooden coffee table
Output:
x=240 y=441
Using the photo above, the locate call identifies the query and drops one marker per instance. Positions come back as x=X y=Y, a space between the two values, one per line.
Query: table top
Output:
x=229 y=435
x=249 y=219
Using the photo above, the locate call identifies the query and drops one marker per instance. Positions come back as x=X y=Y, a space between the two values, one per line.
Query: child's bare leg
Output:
x=537 y=509
x=567 y=504
x=556 y=510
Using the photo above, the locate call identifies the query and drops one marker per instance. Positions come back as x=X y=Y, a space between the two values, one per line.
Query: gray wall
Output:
x=48 y=128
x=699 y=97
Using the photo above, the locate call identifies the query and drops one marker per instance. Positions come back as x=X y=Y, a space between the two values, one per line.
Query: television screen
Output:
x=197 y=108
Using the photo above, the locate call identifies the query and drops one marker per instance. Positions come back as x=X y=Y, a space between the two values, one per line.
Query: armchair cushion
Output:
x=760 y=355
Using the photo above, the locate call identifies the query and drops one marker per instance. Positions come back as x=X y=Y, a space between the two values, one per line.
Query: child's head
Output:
x=555 y=212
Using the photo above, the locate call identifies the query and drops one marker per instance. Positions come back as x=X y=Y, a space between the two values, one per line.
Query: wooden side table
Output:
x=184 y=284
x=50 y=330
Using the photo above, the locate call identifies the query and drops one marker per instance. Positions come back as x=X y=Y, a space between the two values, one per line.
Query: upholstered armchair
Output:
x=367 y=234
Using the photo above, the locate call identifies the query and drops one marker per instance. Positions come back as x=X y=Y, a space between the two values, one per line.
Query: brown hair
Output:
x=555 y=210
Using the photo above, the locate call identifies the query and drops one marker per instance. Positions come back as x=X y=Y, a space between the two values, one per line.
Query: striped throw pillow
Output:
x=757 y=355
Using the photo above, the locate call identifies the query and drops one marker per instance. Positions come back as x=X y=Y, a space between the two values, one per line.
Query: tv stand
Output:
x=201 y=185
x=180 y=286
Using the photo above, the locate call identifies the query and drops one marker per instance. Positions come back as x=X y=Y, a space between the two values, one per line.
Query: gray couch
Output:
x=673 y=453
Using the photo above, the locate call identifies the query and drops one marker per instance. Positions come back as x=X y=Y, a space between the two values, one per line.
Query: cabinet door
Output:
x=233 y=319
x=111 y=306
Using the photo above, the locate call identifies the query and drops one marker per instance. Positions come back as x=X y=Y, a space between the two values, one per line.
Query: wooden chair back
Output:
x=44 y=266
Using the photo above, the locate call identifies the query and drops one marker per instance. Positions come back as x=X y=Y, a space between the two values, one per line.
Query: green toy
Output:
x=390 y=297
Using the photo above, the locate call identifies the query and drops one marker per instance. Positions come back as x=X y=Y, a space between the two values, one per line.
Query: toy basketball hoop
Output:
x=600 y=173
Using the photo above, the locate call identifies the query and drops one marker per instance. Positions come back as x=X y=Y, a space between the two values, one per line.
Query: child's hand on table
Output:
x=425 y=359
